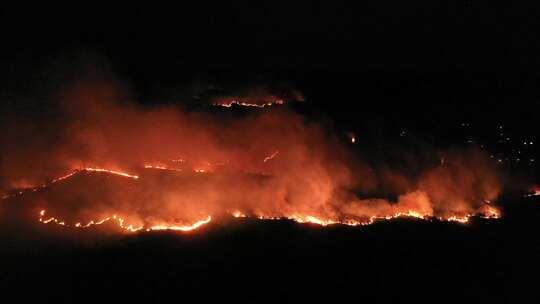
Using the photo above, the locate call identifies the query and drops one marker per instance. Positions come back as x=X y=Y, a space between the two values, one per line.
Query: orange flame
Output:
x=271 y=156
x=535 y=191
x=120 y=221
x=247 y=103
x=183 y=228
x=487 y=211
x=238 y=214
x=112 y=172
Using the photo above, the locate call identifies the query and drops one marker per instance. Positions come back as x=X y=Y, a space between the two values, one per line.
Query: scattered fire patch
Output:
x=535 y=191
x=249 y=101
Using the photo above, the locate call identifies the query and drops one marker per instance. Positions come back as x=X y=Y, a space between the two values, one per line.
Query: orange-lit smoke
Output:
x=162 y=168
x=535 y=191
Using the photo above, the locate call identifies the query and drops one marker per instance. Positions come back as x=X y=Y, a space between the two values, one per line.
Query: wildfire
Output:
x=155 y=167
x=238 y=214
x=313 y=220
x=535 y=191
x=183 y=228
x=162 y=167
x=64 y=177
x=120 y=222
x=303 y=219
x=460 y=219
x=487 y=211
x=112 y=172
x=246 y=102
x=310 y=219
x=271 y=156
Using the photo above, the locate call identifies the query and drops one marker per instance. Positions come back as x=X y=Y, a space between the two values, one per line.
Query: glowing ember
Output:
x=63 y=177
x=247 y=102
x=535 y=191
x=155 y=167
x=271 y=156
x=459 y=219
x=238 y=214
x=162 y=167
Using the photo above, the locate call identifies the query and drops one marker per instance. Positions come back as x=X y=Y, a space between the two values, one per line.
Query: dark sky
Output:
x=460 y=49
x=386 y=34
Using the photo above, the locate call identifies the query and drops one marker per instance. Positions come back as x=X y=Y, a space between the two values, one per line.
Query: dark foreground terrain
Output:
x=486 y=261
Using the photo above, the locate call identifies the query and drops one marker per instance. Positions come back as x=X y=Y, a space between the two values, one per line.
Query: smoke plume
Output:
x=182 y=167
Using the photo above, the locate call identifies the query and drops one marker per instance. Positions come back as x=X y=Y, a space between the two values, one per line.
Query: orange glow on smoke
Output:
x=271 y=165
x=487 y=210
x=535 y=191
x=238 y=214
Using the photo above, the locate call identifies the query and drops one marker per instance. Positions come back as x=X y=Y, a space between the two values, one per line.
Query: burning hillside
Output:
x=162 y=168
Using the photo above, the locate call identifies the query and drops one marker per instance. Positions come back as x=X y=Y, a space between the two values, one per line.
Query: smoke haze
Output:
x=269 y=163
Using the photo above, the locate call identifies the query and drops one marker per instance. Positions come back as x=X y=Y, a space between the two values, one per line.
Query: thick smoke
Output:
x=271 y=163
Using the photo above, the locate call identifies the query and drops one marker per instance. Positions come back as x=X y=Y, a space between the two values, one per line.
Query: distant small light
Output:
x=352 y=137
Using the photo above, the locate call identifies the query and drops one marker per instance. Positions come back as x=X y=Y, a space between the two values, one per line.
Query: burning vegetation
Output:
x=117 y=164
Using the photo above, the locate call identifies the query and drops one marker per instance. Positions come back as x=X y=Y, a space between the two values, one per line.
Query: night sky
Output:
x=457 y=59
